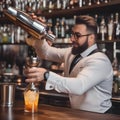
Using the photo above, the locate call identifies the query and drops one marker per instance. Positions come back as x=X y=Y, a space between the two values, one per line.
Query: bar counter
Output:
x=47 y=112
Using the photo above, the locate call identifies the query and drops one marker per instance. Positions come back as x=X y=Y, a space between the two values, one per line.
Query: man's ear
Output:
x=91 y=39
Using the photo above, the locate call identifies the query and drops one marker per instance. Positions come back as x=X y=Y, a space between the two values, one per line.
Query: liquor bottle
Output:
x=89 y=2
x=22 y=38
x=71 y=4
x=56 y=30
x=98 y=2
x=76 y=3
x=59 y=28
x=98 y=26
x=80 y=3
x=49 y=24
x=103 y=29
x=9 y=34
x=63 y=28
x=115 y=66
x=50 y=6
x=38 y=8
x=115 y=76
x=44 y=4
x=106 y=1
x=58 y=4
x=117 y=27
x=67 y=32
x=5 y=35
x=84 y=3
x=64 y=4
x=110 y=27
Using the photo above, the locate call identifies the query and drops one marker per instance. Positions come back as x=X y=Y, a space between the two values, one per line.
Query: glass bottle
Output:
x=50 y=6
x=5 y=35
x=58 y=4
x=63 y=28
x=98 y=26
x=117 y=27
x=98 y=2
x=103 y=29
x=84 y=3
x=89 y=3
x=115 y=77
x=110 y=27
x=56 y=30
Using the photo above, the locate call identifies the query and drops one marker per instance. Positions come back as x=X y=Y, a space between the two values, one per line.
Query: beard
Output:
x=80 y=49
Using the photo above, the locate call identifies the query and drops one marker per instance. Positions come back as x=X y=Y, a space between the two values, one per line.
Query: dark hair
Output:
x=88 y=21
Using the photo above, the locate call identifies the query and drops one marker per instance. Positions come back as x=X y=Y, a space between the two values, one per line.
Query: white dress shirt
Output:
x=89 y=84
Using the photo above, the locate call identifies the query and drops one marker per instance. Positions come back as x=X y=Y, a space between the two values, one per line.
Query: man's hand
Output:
x=37 y=18
x=31 y=40
x=34 y=74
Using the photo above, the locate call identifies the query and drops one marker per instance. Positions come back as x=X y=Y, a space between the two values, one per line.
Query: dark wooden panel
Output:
x=47 y=112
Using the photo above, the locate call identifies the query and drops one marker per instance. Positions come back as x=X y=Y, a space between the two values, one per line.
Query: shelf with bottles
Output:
x=12 y=61
x=66 y=17
x=40 y=7
x=104 y=8
x=108 y=29
x=98 y=41
x=107 y=41
x=116 y=77
x=114 y=5
x=12 y=34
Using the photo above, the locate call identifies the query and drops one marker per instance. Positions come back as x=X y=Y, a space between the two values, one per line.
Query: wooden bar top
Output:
x=47 y=112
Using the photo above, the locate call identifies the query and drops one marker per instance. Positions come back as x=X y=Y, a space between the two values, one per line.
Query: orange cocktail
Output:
x=31 y=101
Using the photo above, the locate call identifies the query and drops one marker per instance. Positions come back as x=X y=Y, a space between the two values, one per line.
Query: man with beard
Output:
x=87 y=80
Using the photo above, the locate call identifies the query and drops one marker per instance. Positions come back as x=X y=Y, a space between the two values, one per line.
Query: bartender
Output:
x=88 y=73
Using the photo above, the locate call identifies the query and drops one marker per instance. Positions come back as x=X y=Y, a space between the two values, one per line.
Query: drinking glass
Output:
x=31 y=93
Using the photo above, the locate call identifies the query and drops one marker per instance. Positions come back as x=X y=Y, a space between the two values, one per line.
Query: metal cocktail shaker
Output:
x=33 y=27
x=7 y=94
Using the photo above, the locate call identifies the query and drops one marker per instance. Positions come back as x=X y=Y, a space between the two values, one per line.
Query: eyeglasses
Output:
x=78 y=35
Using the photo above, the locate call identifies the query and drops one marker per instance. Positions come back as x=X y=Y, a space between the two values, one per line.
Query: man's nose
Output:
x=72 y=38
